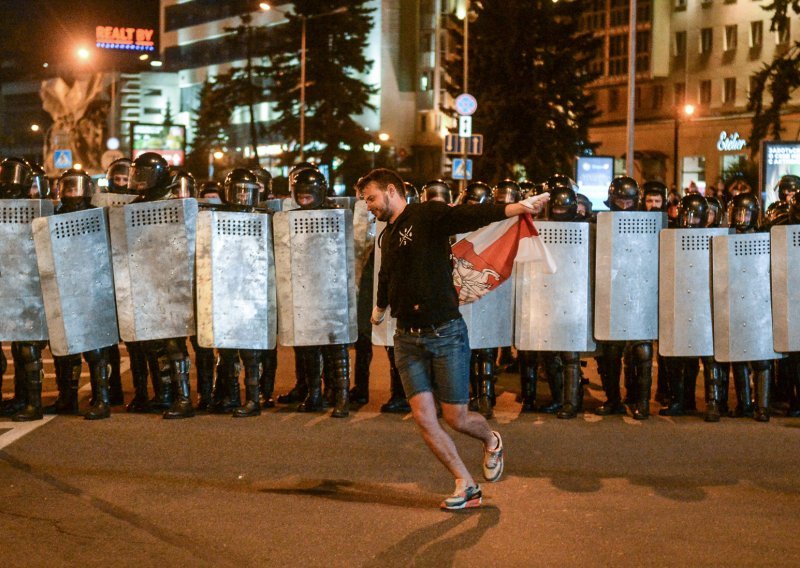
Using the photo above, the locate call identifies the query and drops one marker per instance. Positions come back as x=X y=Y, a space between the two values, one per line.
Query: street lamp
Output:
x=686 y=110
x=303 y=20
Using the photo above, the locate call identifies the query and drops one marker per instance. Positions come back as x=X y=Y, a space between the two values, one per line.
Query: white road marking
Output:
x=17 y=430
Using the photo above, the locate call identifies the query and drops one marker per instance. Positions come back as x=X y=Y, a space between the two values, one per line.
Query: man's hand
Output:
x=377 y=315
x=530 y=205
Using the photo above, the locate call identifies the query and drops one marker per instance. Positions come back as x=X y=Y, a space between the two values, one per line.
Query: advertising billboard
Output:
x=593 y=175
x=777 y=159
x=169 y=141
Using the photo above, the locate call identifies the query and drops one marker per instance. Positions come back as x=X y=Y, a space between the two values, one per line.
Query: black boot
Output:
x=252 y=405
x=33 y=394
x=690 y=385
x=13 y=405
x=204 y=362
x=724 y=387
x=573 y=392
x=644 y=376
x=162 y=381
x=555 y=380
x=68 y=375
x=610 y=379
x=527 y=380
x=763 y=383
x=313 y=374
x=340 y=366
x=300 y=390
x=115 y=393
x=99 y=377
x=182 y=406
x=713 y=387
x=744 y=398
x=629 y=372
x=359 y=394
x=269 y=368
x=677 y=374
x=227 y=396
x=485 y=379
x=139 y=375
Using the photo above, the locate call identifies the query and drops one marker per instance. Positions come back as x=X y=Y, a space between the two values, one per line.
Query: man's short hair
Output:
x=383 y=177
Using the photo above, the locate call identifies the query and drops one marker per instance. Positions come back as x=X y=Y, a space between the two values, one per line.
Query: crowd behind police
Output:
x=323 y=372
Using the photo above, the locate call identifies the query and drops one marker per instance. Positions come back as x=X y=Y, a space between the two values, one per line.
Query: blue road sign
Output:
x=62 y=159
x=462 y=169
x=466 y=104
x=454 y=144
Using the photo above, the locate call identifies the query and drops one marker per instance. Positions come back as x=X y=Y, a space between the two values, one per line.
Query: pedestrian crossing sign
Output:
x=62 y=159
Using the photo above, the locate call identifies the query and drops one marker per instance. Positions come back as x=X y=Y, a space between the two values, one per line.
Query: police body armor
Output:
x=22 y=316
x=112 y=199
x=742 y=302
x=236 y=295
x=626 y=275
x=382 y=334
x=554 y=311
x=490 y=320
x=315 y=267
x=785 y=242
x=73 y=251
x=684 y=292
x=153 y=254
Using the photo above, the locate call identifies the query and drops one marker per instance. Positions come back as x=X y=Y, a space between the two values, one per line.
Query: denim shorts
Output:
x=435 y=360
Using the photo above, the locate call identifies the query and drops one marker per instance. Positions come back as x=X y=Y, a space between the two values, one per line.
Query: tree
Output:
x=528 y=69
x=213 y=119
x=780 y=78
x=336 y=37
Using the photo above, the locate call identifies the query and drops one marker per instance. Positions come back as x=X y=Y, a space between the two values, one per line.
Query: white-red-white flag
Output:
x=485 y=258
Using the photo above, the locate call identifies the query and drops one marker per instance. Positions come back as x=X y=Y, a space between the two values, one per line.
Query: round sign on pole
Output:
x=109 y=156
x=466 y=104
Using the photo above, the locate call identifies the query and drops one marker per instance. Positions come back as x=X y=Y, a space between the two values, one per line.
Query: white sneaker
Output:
x=493 y=460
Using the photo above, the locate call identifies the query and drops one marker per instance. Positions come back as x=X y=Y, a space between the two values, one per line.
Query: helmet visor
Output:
x=183 y=188
x=40 y=187
x=741 y=217
x=690 y=218
x=13 y=173
x=142 y=178
x=75 y=186
x=242 y=193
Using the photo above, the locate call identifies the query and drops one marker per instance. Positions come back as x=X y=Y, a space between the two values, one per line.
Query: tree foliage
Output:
x=528 y=69
x=779 y=78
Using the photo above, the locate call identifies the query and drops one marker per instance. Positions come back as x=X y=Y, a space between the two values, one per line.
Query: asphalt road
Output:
x=307 y=490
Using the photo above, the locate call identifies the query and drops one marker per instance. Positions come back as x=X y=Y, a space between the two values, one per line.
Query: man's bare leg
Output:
x=473 y=424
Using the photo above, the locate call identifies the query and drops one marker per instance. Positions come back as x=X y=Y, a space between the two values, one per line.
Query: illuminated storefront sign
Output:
x=730 y=143
x=169 y=141
x=135 y=39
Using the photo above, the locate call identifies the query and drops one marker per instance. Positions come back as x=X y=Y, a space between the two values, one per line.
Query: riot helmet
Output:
x=75 y=187
x=149 y=176
x=211 y=192
x=309 y=188
x=475 y=193
x=563 y=202
x=437 y=190
x=117 y=175
x=788 y=186
x=507 y=191
x=528 y=188
x=778 y=213
x=15 y=178
x=40 y=184
x=693 y=211
x=715 y=212
x=411 y=192
x=265 y=182
x=738 y=187
x=182 y=184
x=584 y=208
x=743 y=212
x=241 y=187
x=673 y=203
x=623 y=194
x=794 y=208
x=652 y=193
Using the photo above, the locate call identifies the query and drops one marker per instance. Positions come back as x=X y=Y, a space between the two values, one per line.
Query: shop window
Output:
x=693 y=169
x=705 y=92
x=706 y=40
x=730 y=37
x=729 y=92
x=756 y=33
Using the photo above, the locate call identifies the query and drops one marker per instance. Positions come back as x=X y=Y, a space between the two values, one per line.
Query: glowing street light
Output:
x=383 y=137
x=35 y=128
x=688 y=110
x=83 y=53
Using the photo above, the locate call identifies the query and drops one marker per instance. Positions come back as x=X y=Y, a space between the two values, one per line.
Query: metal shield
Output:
x=288 y=204
x=315 y=267
x=382 y=334
x=345 y=202
x=742 y=302
x=554 y=311
x=73 y=251
x=21 y=303
x=274 y=204
x=684 y=293
x=236 y=296
x=153 y=254
x=626 y=275
x=786 y=288
x=112 y=199
x=490 y=320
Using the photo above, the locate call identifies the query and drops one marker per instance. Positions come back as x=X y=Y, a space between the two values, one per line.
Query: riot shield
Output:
x=345 y=202
x=288 y=204
x=22 y=315
x=153 y=254
x=236 y=297
x=554 y=311
x=741 y=298
x=315 y=268
x=274 y=204
x=73 y=252
x=626 y=275
x=364 y=238
x=112 y=199
x=490 y=320
x=382 y=334
x=684 y=292
x=786 y=288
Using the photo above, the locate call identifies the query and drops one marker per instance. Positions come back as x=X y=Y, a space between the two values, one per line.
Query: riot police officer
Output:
x=436 y=190
x=623 y=195
x=654 y=195
x=117 y=175
x=265 y=183
x=716 y=213
x=150 y=179
x=787 y=186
